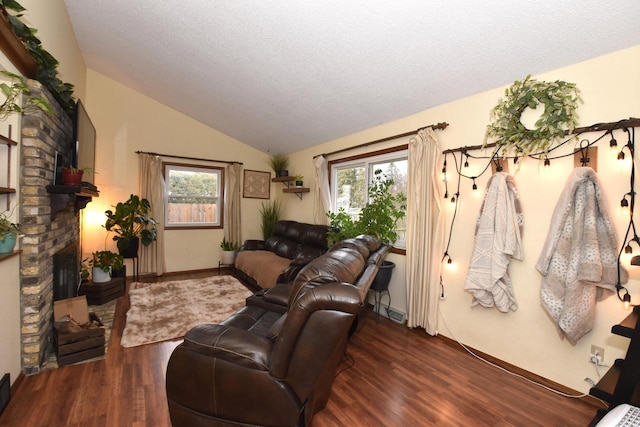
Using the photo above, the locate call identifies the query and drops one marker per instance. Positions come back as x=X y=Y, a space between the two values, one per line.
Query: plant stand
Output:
x=231 y=267
x=100 y=293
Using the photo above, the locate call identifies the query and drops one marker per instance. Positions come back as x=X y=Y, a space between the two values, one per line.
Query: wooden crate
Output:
x=82 y=345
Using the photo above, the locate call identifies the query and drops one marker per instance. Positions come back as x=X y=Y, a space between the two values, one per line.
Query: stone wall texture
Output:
x=42 y=137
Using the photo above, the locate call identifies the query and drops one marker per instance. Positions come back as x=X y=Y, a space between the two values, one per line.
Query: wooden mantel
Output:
x=13 y=48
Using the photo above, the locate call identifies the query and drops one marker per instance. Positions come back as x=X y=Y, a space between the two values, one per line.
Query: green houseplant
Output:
x=132 y=224
x=269 y=214
x=13 y=91
x=229 y=249
x=102 y=264
x=8 y=234
x=378 y=218
x=279 y=163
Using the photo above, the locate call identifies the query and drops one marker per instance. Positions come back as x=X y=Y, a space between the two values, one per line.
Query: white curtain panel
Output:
x=232 y=216
x=321 y=191
x=152 y=188
x=425 y=231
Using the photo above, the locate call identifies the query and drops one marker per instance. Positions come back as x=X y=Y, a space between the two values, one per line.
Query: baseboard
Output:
x=596 y=403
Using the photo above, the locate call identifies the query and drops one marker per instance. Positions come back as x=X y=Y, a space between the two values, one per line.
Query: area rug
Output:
x=167 y=310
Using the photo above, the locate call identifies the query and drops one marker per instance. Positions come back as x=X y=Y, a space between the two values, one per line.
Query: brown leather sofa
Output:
x=262 y=367
x=277 y=298
x=262 y=264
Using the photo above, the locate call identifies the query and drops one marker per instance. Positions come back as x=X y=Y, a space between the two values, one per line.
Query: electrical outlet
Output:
x=597 y=352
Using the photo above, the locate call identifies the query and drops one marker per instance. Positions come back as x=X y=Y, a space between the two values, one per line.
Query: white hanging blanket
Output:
x=579 y=259
x=498 y=239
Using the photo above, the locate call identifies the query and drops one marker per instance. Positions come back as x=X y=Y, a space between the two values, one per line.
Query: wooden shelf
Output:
x=626 y=327
x=7 y=141
x=7 y=190
x=287 y=180
x=282 y=179
x=64 y=195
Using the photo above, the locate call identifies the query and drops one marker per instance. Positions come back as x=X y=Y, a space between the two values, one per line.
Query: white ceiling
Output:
x=283 y=75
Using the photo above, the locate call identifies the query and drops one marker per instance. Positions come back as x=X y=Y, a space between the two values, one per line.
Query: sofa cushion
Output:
x=263 y=266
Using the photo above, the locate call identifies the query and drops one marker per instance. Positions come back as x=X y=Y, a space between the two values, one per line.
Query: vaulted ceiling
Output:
x=283 y=75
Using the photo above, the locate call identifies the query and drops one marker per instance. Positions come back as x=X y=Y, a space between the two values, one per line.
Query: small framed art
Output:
x=257 y=184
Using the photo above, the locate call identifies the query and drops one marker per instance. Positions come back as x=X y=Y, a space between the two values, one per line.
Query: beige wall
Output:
x=51 y=20
x=527 y=338
x=54 y=30
x=127 y=121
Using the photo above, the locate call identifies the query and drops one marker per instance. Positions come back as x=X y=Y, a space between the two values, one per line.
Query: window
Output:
x=350 y=179
x=194 y=197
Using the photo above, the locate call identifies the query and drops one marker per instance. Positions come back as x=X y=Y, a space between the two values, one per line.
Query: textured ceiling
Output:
x=283 y=75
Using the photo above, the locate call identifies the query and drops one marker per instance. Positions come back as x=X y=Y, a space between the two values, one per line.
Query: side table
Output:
x=100 y=293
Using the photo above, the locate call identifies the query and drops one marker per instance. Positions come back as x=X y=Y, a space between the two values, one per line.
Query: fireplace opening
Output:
x=65 y=272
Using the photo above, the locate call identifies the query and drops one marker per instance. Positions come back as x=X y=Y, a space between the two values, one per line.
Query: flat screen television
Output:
x=85 y=143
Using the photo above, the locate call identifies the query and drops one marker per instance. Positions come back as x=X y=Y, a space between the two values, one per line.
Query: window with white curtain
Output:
x=195 y=196
x=350 y=180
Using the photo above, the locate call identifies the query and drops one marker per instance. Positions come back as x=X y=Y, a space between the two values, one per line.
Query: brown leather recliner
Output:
x=223 y=375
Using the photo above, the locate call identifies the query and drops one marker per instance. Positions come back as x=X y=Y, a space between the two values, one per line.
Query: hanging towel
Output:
x=498 y=239
x=579 y=260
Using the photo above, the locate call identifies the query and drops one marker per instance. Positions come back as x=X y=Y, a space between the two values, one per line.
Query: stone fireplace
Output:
x=46 y=233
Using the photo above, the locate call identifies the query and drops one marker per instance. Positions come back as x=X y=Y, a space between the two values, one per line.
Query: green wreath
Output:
x=560 y=101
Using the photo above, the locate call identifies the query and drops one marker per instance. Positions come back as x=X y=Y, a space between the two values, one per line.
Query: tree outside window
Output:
x=194 y=197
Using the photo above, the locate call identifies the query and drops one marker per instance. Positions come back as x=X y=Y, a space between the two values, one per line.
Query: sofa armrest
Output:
x=231 y=344
x=252 y=245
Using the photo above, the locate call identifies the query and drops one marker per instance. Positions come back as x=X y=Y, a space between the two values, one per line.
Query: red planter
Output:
x=72 y=177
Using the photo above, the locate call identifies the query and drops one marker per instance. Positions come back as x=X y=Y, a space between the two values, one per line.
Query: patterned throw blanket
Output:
x=498 y=239
x=579 y=260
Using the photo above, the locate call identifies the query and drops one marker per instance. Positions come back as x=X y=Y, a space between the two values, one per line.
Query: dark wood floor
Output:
x=392 y=376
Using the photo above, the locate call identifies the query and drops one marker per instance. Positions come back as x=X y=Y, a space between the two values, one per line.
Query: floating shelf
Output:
x=287 y=180
x=63 y=195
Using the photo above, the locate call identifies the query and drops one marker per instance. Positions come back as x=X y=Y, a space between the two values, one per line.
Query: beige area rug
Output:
x=167 y=310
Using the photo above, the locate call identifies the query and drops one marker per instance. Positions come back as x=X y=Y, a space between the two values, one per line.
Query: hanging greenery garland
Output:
x=560 y=100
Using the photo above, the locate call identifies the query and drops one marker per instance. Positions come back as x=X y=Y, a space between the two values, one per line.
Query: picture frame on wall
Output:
x=256 y=184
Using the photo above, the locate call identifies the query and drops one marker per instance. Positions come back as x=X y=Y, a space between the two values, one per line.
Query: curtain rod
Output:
x=439 y=126
x=620 y=124
x=186 y=158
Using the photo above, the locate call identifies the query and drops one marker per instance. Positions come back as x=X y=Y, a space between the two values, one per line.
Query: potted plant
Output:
x=298 y=180
x=8 y=234
x=73 y=176
x=132 y=224
x=279 y=163
x=269 y=214
x=102 y=265
x=229 y=249
x=378 y=218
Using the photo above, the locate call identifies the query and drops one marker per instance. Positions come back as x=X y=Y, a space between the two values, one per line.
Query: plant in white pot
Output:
x=229 y=249
x=103 y=263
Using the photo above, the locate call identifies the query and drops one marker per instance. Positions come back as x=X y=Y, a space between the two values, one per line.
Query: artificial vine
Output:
x=560 y=101
x=47 y=64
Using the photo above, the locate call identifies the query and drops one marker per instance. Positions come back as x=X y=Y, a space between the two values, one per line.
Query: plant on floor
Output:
x=378 y=218
x=270 y=214
x=227 y=245
x=131 y=219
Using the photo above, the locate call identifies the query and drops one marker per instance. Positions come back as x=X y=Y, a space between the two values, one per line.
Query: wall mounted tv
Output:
x=85 y=143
